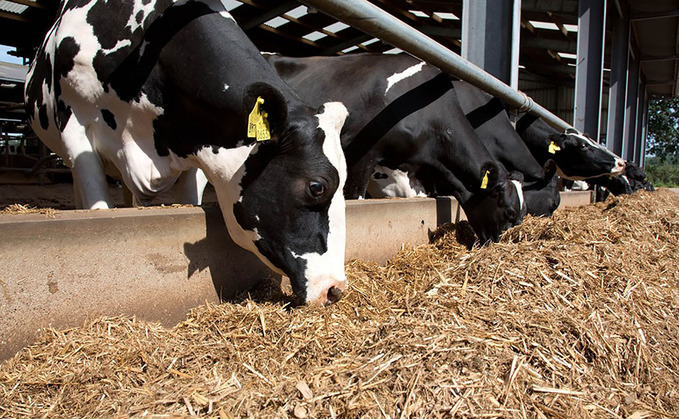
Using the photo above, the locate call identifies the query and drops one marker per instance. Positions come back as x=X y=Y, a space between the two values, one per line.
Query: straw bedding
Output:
x=576 y=315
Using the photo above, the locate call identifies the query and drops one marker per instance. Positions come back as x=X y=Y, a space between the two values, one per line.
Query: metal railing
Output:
x=371 y=19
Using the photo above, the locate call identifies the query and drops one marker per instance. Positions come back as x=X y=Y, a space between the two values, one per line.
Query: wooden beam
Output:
x=270 y=14
x=13 y=16
x=559 y=23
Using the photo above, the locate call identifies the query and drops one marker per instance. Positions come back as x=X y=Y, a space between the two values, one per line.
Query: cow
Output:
x=577 y=156
x=637 y=177
x=632 y=180
x=148 y=90
x=404 y=114
x=396 y=183
x=489 y=118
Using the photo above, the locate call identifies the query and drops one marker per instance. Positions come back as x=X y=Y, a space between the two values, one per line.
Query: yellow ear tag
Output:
x=254 y=117
x=553 y=148
x=484 y=182
x=263 y=133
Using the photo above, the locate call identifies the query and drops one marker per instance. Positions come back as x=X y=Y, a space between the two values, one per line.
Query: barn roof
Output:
x=548 y=34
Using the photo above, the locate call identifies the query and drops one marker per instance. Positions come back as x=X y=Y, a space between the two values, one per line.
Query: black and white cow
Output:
x=576 y=155
x=632 y=180
x=395 y=183
x=637 y=177
x=488 y=117
x=404 y=114
x=150 y=89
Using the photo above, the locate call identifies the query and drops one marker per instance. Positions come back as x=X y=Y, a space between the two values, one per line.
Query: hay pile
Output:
x=572 y=316
x=19 y=209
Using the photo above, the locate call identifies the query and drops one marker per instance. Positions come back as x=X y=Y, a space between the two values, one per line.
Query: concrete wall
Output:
x=158 y=263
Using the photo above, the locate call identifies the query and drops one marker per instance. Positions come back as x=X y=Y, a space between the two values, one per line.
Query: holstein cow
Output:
x=577 y=156
x=405 y=114
x=488 y=117
x=149 y=89
x=632 y=179
x=637 y=177
x=395 y=183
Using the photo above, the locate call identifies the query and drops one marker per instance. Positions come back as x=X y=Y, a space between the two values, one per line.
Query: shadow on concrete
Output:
x=235 y=272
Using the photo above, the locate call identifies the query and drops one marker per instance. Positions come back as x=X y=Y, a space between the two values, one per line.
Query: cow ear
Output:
x=274 y=106
x=518 y=176
x=549 y=169
x=490 y=176
x=557 y=142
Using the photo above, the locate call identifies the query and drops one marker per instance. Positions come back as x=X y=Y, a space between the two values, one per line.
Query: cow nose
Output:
x=620 y=164
x=334 y=295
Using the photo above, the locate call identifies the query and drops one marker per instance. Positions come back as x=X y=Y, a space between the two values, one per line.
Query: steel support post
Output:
x=631 y=117
x=616 y=98
x=490 y=37
x=589 y=69
x=644 y=129
x=642 y=106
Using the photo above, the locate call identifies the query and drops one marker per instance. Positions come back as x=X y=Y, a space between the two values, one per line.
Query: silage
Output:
x=576 y=315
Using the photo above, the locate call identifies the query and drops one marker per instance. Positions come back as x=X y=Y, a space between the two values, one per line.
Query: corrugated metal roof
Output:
x=13 y=72
x=10 y=7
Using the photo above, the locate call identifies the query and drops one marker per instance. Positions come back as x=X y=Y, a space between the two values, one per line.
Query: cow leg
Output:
x=190 y=186
x=358 y=177
x=89 y=180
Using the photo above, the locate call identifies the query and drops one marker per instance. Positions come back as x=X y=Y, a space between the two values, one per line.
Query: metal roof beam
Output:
x=650 y=58
x=655 y=15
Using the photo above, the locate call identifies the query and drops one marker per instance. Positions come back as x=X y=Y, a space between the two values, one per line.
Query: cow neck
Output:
x=524 y=122
x=408 y=103
x=485 y=113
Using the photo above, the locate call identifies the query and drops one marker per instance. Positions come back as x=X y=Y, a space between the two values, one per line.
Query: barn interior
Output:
x=603 y=59
x=574 y=315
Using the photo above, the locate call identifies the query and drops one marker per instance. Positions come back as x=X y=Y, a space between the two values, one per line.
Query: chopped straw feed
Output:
x=572 y=316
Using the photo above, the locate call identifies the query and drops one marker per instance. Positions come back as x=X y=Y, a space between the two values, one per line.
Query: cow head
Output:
x=634 y=172
x=578 y=157
x=617 y=185
x=282 y=198
x=637 y=177
x=496 y=208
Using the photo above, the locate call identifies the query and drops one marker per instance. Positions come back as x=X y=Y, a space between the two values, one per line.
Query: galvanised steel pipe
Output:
x=372 y=20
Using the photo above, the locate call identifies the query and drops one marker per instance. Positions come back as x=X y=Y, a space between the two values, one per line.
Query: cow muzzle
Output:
x=330 y=295
x=619 y=166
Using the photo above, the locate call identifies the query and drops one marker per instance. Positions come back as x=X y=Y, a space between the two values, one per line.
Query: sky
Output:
x=8 y=58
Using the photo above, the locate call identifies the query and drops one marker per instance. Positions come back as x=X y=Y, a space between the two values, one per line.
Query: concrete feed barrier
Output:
x=158 y=263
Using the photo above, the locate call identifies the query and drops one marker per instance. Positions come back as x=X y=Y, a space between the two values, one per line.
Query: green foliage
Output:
x=662 y=174
x=663 y=129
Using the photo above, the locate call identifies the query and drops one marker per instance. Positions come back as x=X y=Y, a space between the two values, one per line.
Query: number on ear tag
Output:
x=254 y=118
x=263 y=133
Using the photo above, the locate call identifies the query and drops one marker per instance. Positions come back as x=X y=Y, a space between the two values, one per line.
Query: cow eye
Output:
x=316 y=188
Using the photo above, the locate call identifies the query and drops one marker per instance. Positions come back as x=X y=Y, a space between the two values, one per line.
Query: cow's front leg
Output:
x=190 y=186
x=89 y=180
x=358 y=177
